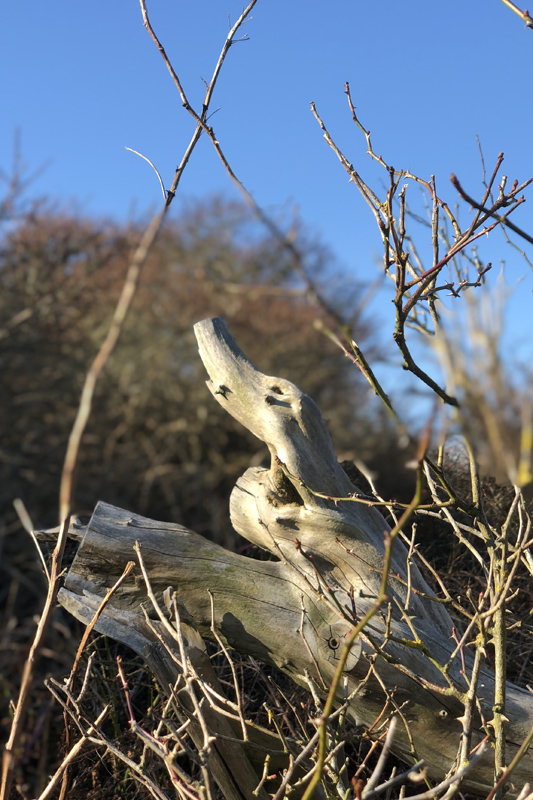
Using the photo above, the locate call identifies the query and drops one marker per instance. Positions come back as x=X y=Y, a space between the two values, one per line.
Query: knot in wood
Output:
x=333 y=642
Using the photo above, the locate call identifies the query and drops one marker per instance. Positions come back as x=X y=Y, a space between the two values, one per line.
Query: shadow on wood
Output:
x=296 y=612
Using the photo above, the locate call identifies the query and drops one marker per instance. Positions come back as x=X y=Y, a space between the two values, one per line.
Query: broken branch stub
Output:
x=296 y=612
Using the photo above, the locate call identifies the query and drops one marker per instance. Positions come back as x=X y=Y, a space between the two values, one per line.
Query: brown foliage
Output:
x=156 y=442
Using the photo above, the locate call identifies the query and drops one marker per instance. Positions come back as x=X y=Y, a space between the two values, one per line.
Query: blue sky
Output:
x=82 y=81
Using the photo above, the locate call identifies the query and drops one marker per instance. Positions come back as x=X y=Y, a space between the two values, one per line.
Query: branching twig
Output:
x=503 y=219
x=138 y=260
x=524 y=15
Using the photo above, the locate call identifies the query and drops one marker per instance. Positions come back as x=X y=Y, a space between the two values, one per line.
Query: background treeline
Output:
x=156 y=441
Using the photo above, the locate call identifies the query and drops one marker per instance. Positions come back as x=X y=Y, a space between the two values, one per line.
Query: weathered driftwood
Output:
x=286 y=611
x=235 y=765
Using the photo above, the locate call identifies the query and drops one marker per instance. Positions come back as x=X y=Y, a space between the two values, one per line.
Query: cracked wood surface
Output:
x=286 y=612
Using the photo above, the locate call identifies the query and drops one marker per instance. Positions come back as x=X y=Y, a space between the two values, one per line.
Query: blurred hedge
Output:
x=157 y=442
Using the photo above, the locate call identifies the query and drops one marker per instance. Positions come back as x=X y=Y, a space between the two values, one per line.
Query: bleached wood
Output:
x=284 y=611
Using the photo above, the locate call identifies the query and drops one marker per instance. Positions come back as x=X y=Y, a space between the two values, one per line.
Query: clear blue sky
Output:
x=83 y=80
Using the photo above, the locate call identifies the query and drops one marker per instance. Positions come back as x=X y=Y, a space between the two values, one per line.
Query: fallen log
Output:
x=298 y=611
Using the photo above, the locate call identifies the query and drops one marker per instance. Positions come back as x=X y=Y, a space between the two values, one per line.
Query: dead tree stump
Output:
x=296 y=612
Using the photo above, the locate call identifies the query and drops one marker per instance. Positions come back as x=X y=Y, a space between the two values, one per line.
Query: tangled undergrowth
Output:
x=158 y=743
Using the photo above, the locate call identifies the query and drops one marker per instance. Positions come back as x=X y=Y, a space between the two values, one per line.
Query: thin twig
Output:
x=491 y=212
x=524 y=15
x=154 y=169
x=10 y=752
x=71 y=755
